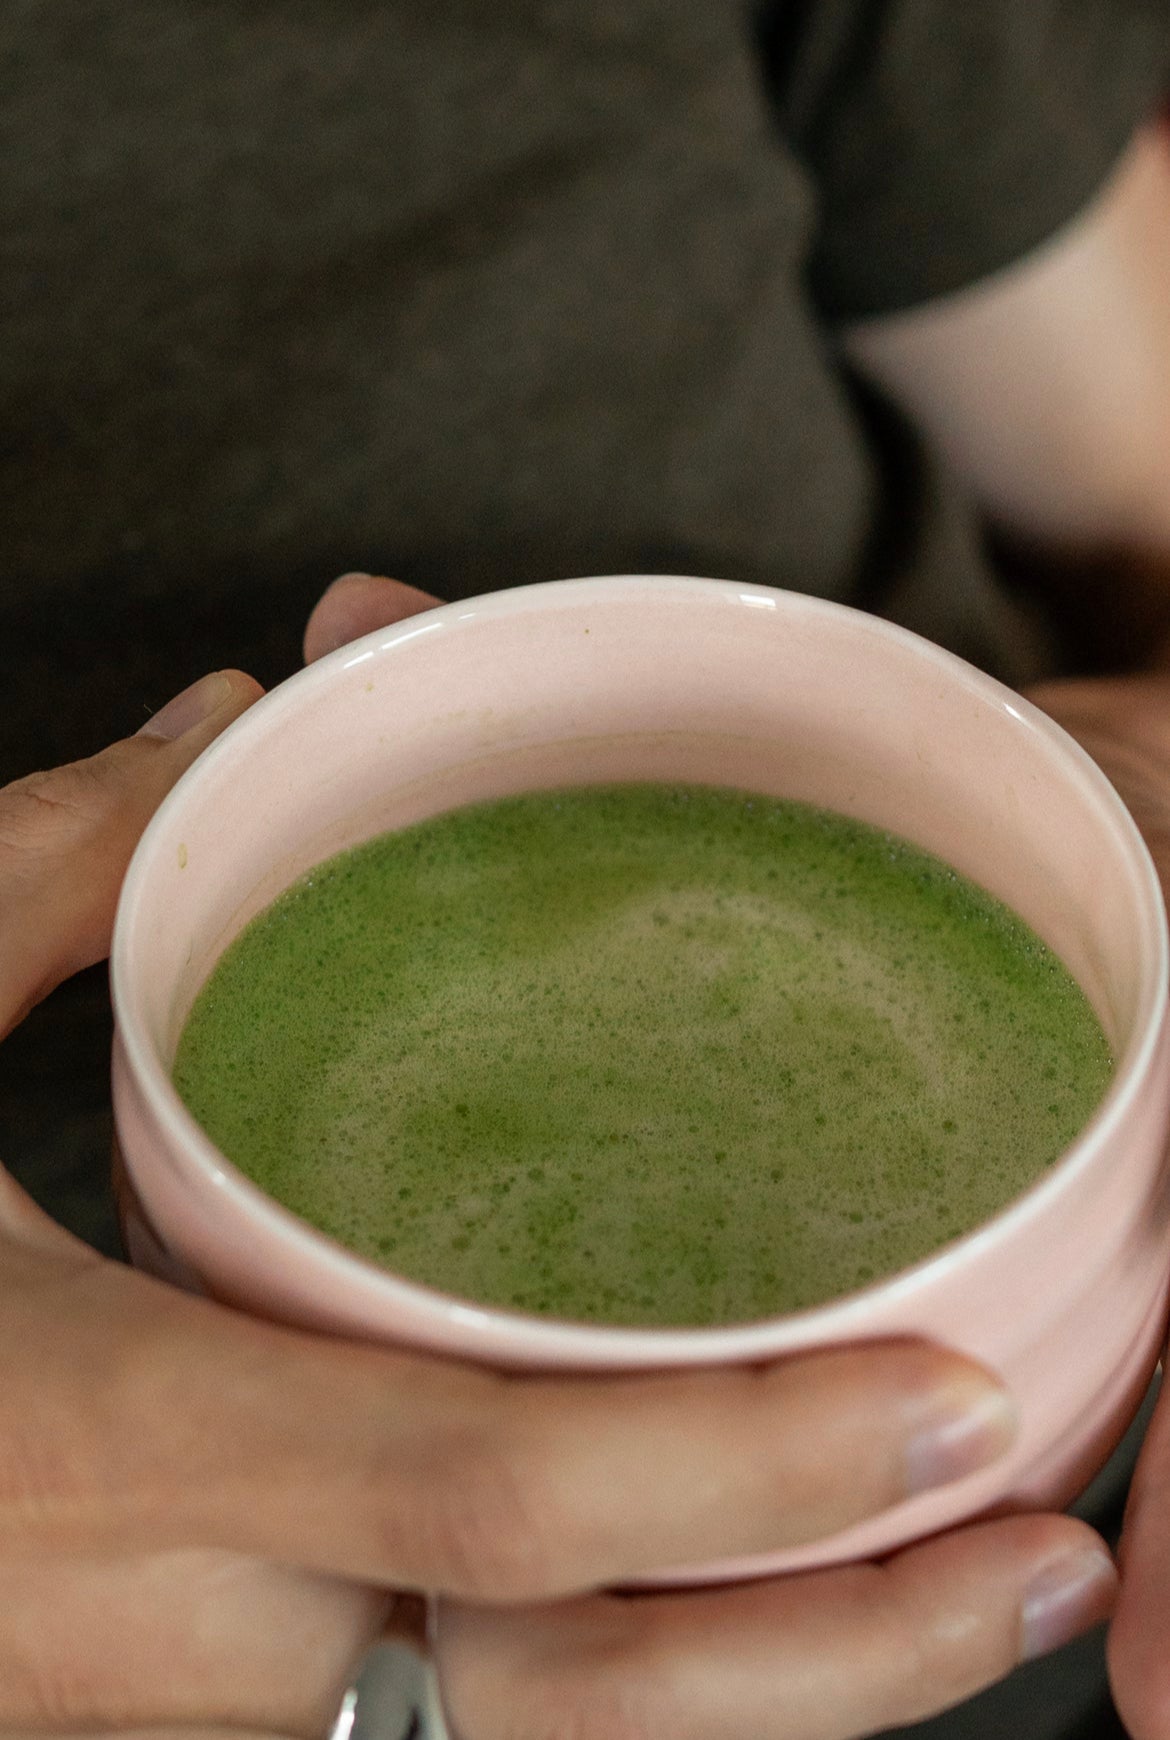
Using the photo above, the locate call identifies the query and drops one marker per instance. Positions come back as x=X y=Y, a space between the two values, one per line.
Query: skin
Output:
x=204 y=1518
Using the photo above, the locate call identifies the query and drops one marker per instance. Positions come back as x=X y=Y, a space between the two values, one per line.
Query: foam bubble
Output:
x=641 y=1053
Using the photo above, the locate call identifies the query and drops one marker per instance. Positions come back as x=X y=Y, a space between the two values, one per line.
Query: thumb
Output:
x=66 y=837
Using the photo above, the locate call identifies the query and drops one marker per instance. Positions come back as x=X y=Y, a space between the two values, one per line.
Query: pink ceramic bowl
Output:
x=1064 y=1293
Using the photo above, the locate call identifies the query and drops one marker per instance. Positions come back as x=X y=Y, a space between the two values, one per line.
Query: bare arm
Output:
x=1048 y=386
x=1048 y=389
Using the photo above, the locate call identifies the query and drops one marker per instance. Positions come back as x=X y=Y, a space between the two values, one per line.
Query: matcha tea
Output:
x=641 y=1054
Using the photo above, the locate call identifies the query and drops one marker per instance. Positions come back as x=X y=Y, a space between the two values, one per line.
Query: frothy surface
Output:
x=641 y=1054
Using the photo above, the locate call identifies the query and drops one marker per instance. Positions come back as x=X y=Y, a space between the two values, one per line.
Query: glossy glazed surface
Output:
x=662 y=678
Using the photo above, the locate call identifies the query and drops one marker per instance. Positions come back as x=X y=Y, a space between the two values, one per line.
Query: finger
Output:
x=1124 y=724
x=178 y=1639
x=356 y=604
x=172 y=1731
x=1139 y=1659
x=825 y=1656
x=136 y=1417
x=66 y=837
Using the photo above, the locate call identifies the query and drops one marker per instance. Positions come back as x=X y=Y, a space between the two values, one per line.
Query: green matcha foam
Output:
x=641 y=1054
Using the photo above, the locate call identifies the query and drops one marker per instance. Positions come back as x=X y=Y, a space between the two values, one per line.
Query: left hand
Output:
x=1124 y=723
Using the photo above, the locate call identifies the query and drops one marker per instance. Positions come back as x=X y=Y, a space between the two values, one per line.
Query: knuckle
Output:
x=909 y=1643
x=546 y=1706
x=51 y=1690
x=479 y=1521
x=50 y=807
x=600 y=1668
x=40 y=1493
x=68 y=1468
x=620 y=1687
x=606 y=1715
x=941 y=1653
x=843 y=1456
x=616 y=1695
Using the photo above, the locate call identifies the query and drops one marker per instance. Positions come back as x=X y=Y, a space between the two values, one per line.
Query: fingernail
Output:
x=1067 y=1598
x=189 y=709
x=961 y=1428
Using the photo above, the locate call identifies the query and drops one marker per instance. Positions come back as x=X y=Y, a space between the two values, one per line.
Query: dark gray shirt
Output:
x=477 y=293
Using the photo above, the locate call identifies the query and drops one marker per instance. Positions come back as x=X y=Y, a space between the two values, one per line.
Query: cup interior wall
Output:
x=791 y=699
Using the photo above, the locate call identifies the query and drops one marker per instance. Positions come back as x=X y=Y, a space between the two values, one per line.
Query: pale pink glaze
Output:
x=1064 y=1293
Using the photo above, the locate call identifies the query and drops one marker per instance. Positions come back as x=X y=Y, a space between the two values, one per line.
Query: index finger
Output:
x=66 y=837
x=139 y=1418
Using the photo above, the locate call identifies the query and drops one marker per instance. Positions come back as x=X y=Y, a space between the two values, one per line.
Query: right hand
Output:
x=203 y=1516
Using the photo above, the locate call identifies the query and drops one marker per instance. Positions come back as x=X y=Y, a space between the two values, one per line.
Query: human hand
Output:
x=1124 y=723
x=113 y=1612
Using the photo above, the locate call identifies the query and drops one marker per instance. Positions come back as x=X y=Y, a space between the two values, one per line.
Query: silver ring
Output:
x=396 y=1693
